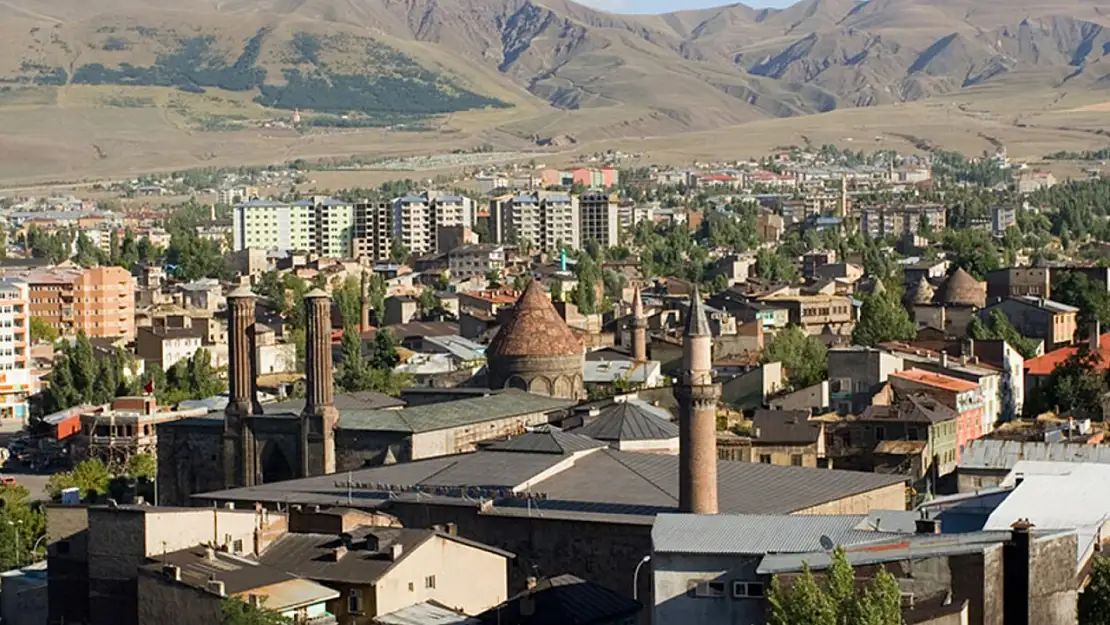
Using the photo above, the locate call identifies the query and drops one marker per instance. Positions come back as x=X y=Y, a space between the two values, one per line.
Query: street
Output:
x=33 y=482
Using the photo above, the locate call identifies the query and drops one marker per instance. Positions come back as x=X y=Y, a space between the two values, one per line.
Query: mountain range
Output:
x=642 y=74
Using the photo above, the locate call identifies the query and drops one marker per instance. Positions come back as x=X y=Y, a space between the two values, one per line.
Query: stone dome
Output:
x=921 y=293
x=535 y=351
x=534 y=329
x=961 y=289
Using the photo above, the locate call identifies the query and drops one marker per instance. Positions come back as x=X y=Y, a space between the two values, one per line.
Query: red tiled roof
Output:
x=937 y=380
x=1045 y=365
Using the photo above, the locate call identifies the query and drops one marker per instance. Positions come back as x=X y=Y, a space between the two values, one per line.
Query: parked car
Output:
x=7 y=480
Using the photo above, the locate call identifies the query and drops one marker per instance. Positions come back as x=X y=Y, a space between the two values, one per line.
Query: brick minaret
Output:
x=639 y=328
x=320 y=416
x=364 y=299
x=697 y=403
x=240 y=462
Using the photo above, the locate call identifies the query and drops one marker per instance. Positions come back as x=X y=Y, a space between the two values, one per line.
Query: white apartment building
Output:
x=269 y=225
x=600 y=215
x=545 y=219
x=470 y=261
x=417 y=218
x=16 y=383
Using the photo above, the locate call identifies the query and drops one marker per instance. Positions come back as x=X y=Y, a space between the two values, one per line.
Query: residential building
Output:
x=769 y=227
x=1039 y=369
x=452 y=237
x=400 y=309
x=966 y=398
x=372 y=236
x=99 y=301
x=986 y=462
x=320 y=225
x=417 y=218
x=788 y=438
x=855 y=375
x=600 y=219
x=1030 y=182
x=812 y=261
x=476 y=261
x=165 y=347
x=24 y=597
x=1002 y=219
x=204 y=294
x=1019 y=281
x=631 y=214
x=815 y=313
x=586 y=177
x=128 y=427
x=1038 y=318
x=546 y=220
x=884 y=221
x=16 y=381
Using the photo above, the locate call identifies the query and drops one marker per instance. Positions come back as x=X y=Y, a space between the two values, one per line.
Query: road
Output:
x=35 y=483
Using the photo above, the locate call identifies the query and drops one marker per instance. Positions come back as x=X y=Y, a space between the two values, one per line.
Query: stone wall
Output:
x=163 y=601
x=190 y=460
x=116 y=550
x=891 y=497
x=67 y=570
x=1052 y=586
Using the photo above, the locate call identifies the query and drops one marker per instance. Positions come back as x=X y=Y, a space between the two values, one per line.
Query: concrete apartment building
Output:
x=373 y=230
x=884 y=221
x=547 y=220
x=166 y=346
x=856 y=373
x=816 y=312
x=475 y=261
x=1019 y=281
x=1038 y=318
x=966 y=398
x=299 y=225
x=417 y=218
x=600 y=215
x=16 y=382
x=99 y=301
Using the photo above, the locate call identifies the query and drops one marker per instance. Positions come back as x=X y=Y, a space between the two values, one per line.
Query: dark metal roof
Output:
x=432 y=417
x=628 y=422
x=547 y=440
x=563 y=600
x=604 y=485
x=238 y=574
x=362 y=400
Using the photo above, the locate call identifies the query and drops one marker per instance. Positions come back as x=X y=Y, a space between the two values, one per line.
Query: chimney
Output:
x=338 y=553
x=530 y=583
x=943 y=359
x=255 y=601
x=171 y=572
x=396 y=550
x=1016 y=569
x=209 y=554
x=1096 y=336
x=925 y=525
x=217 y=587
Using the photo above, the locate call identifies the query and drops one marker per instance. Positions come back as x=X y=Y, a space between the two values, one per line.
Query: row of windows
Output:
x=741 y=589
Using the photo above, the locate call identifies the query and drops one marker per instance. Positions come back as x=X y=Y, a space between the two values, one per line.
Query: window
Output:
x=880 y=432
x=236 y=546
x=354 y=601
x=796 y=460
x=430 y=581
x=708 y=590
x=747 y=590
x=765 y=458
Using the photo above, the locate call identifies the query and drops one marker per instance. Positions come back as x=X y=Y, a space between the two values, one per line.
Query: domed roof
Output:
x=961 y=289
x=921 y=293
x=534 y=329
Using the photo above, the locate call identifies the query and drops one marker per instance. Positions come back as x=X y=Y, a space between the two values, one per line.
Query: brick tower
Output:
x=639 y=328
x=319 y=419
x=697 y=402
x=240 y=460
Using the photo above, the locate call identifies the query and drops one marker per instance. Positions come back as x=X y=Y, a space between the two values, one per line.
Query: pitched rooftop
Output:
x=534 y=329
x=628 y=422
x=697 y=324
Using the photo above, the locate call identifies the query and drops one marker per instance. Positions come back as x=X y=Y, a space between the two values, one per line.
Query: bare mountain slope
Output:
x=685 y=70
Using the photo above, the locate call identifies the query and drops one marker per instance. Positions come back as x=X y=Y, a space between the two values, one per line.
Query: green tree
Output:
x=353 y=372
x=775 y=266
x=1094 y=601
x=91 y=477
x=972 y=250
x=143 y=466
x=384 y=352
x=429 y=304
x=398 y=253
x=804 y=358
x=21 y=525
x=1077 y=384
x=42 y=331
x=882 y=319
x=348 y=299
x=235 y=611
x=837 y=601
x=1075 y=289
x=998 y=327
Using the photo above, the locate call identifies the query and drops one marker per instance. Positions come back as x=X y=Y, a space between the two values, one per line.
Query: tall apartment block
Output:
x=299 y=225
x=548 y=220
x=882 y=221
x=417 y=218
x=99 y=301
x=373 y=231
x=600 y=215
x=15 y=335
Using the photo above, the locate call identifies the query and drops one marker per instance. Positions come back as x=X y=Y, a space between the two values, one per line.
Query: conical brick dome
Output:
x=534 y=329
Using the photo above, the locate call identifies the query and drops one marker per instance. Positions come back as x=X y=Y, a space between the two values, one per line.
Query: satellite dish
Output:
x=827 y=543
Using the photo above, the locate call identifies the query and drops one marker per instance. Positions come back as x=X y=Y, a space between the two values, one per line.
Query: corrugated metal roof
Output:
x=562 y=600
x=547 y=440
x=427 y=613
x=432 y=417
x=985 y=454
x=760 y=534
x=294 y=593
x=628 y=421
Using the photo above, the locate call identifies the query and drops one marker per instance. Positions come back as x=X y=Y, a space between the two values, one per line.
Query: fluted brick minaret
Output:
x=639 y=328
x=364 y=300
x=240 y=463
x=697 y=402
x=320 y=416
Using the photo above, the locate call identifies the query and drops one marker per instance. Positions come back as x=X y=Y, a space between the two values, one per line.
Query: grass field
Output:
x=87 y=133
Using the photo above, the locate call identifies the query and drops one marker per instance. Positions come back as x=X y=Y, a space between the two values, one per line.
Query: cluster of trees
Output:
x=95 y=479
x=1092 y=300
x=79 y=376
x=375 y=373
x=21 y=525
x=804 y=358
x=192 y=378
x=53 y=246
x=837 y=601
x=955 y=167
x=997 y=327
x=883 y=319
x=1077 y=385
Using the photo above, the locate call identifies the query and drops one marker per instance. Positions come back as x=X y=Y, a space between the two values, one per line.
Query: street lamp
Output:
x=18 y=554
x=636 y=577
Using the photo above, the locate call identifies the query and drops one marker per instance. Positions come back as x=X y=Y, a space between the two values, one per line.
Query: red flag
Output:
x=149 y=388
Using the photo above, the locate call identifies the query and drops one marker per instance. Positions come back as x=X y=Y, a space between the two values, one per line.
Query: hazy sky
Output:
x=663 y=6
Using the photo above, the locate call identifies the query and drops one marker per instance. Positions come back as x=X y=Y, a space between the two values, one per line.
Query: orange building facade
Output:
x=99 y=301
x=965 y=397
